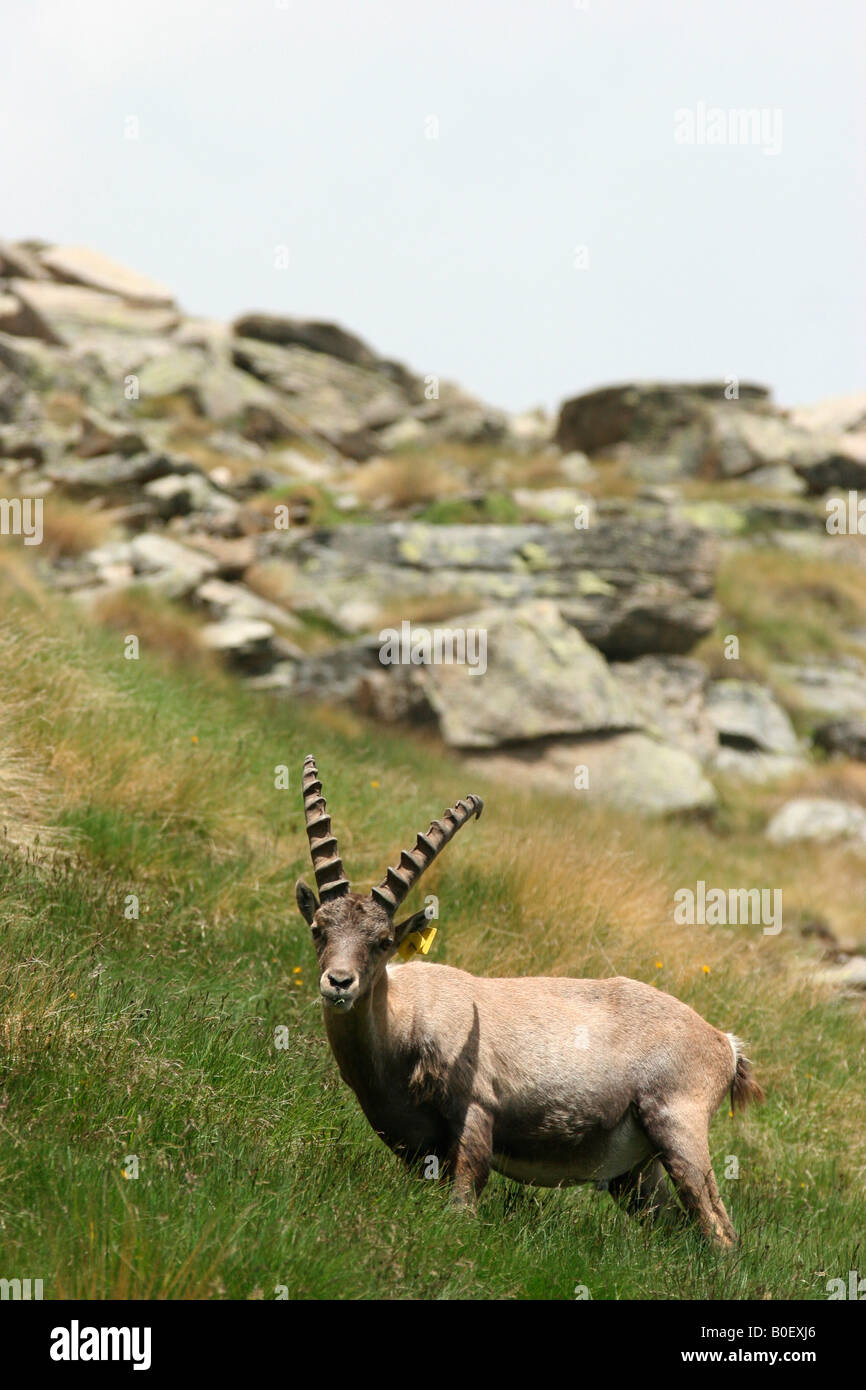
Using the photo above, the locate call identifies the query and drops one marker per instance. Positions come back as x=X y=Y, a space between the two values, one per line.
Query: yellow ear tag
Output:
x=417 y=943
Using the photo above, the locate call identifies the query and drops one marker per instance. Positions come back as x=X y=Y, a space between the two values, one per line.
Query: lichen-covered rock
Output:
x=748 y=717
x=644 y=412
x=541 y=678
x=818 y=818
x=669 y=693
x=629 y=770
x=630 y=583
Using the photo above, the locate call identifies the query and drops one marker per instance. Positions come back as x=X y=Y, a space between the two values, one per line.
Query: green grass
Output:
x=155 y=1036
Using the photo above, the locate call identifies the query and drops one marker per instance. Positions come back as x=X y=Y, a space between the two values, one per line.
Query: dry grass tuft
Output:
x=403 y=482
x=157 y=623
x=70 y=528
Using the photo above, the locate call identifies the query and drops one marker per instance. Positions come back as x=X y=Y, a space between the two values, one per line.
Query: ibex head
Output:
x=355 y=934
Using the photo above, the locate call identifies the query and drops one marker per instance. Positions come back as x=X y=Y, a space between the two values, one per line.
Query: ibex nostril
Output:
x=340 y=981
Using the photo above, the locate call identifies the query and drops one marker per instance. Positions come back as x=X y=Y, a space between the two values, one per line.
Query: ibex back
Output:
x=550 y=1081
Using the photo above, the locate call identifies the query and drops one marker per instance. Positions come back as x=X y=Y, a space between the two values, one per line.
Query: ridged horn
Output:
x=398 y=882
x=327 y=865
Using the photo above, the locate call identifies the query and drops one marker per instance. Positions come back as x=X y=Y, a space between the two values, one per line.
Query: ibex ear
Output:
x=308 y=903
x=413 y=923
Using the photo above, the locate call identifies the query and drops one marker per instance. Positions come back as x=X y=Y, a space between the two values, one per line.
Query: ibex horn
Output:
x=327 y=865
x=398 y=882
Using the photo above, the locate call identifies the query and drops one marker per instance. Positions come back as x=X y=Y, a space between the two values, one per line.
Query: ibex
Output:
x=548 y=1081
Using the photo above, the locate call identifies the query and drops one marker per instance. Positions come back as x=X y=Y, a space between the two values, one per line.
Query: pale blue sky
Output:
x=267 y=123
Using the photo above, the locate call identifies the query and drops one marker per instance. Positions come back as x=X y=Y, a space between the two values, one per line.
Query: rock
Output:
x=243 y=642
x=100 y=435
x=327 y=338
x=720 y=518
x=557 y=503
x=178 y=494
x=42 y=367
x=630 y=771
x=359 y=444
x=63 y=312
x=756 y=766
x=777 y=477
x=110 y=356
x=643 y=412
x=835 y=416
x=848 y=976
x=818 y=818
x=576 y=468
x=669 y=694
x=327 y=396
x=19 y=263
x=233 y=556
x=335 y=675
x=223 y=600
x=16 y=318
x=174 y=373
x=747 y=717
x=833 y=461
x=541 y=678
x=846 y=737
x=82 y=266
x=630 y=583
x=835 y=689
x=745 y=440
x=175 y=570
x=402 y=434
x=116 y=473
x=383 y=411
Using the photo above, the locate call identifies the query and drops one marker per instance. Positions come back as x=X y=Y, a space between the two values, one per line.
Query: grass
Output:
x=148 y=787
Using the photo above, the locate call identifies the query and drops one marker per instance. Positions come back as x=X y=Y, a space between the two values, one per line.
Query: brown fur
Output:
x=745 y=1090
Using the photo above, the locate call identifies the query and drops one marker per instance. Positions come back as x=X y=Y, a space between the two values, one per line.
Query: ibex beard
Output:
x=550 y=1081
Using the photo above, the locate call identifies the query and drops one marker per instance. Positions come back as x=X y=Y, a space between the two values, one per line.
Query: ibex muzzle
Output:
x=550 y=1081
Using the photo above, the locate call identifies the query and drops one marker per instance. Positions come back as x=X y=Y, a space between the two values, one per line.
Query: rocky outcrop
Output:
x=666 y=430
x=631 y=584
x=189 y=437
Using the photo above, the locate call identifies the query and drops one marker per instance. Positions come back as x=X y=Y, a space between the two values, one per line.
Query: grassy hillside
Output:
x=154 y=1036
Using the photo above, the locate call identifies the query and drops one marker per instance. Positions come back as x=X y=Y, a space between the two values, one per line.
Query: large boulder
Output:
x=518 y=674
x=647 y=413
x=113 y=475
x=61 y=313
x=630 y=771
x=79 y=265
x=542 y=678
x=631 y=583
x=327 y=338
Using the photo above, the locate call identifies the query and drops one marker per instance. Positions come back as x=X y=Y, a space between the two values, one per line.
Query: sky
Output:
x=531 y=199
